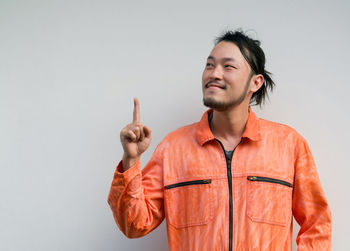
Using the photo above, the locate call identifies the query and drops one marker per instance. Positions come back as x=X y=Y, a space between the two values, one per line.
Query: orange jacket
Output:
x=211 y=203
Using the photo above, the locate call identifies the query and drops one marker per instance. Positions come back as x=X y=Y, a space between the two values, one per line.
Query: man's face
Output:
x=226 y=78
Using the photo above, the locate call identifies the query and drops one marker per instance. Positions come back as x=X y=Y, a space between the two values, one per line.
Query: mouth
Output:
x=213 y=85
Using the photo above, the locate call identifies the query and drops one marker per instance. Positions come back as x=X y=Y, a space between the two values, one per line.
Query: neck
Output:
x=228 y=126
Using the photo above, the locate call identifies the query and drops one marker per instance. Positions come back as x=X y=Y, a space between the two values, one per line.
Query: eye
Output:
x=209 y=65
x=230 y=66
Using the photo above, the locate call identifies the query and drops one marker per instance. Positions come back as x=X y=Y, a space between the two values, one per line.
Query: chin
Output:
x=215 y=104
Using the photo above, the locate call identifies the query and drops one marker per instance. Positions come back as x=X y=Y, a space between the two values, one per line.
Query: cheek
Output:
x=204 y=77
x=234 y=79
x=204 y=73
x=231 y=76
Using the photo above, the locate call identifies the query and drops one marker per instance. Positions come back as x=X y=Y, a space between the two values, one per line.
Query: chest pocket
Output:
x=189 y=203
x=269 y=200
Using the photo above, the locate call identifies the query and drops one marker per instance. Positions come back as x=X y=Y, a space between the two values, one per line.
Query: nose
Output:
x=216 y=73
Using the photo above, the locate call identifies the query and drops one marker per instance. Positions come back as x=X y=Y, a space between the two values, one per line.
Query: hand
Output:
x=135 y=138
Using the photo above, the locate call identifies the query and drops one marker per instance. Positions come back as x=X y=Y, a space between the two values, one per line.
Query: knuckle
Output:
x=123 y=133
x=138 y=124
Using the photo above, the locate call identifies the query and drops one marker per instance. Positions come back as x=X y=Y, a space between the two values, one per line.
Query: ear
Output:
x=256 y=82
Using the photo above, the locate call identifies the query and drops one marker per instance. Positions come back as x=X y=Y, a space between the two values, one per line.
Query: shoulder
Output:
x=284 y=137
x=181 y=136
x=182 y=133
x=275 y=129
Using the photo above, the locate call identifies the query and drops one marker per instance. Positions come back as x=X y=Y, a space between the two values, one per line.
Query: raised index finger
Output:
x=136 y=116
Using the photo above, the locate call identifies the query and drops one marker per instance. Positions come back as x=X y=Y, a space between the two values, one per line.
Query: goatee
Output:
x=222 y=106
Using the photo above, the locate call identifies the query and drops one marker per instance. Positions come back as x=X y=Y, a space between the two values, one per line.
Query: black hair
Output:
x=255 y=56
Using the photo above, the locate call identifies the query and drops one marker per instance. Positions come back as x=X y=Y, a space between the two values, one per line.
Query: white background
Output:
x=70 y=69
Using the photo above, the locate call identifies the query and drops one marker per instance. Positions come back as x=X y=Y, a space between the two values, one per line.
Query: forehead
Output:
x=226 y=49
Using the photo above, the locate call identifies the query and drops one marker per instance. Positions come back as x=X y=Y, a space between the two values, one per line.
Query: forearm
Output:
x=137 y=207
x=310 y=206
x=315 y=225
x=128 y=162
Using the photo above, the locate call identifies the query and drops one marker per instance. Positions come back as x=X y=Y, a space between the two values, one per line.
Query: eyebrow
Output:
x=223 y=59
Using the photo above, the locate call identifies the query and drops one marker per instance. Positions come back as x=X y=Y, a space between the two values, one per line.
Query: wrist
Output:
x=128 y=162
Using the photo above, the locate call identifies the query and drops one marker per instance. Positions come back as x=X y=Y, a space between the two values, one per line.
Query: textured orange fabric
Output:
x=273 y=178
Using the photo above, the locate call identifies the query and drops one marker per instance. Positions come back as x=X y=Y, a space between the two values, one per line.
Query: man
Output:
x=232 y=181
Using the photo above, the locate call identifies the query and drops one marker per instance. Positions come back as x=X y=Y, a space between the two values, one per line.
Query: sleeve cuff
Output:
x=129 y=174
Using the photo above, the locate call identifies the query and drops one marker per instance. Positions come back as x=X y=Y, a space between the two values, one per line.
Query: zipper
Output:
x=229 y=179
x=271 y=180
x=188 y=183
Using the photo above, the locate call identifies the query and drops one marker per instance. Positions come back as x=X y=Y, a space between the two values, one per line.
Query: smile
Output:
x=215 y=85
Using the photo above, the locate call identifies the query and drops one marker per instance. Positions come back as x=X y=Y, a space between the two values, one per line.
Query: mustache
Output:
x=215 y=83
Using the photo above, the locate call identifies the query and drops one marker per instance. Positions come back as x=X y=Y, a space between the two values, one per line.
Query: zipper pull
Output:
x=252 y=178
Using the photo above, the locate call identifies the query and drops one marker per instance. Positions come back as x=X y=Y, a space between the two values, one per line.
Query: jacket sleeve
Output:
x=136 y=198
x=310 y=207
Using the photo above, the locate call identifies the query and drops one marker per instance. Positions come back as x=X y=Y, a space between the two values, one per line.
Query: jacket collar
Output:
x=252 y=129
